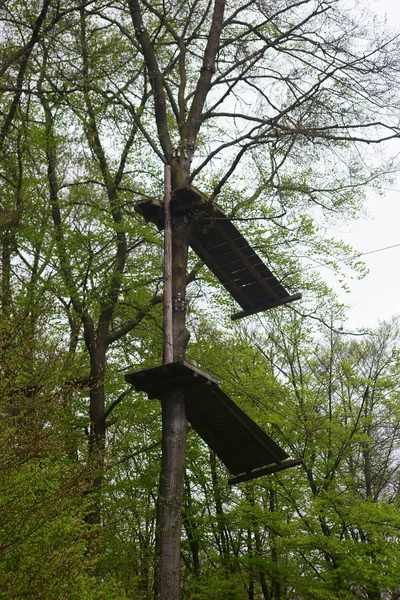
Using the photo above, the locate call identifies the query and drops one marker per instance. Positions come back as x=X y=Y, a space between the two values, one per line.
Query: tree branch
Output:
x=155 y=78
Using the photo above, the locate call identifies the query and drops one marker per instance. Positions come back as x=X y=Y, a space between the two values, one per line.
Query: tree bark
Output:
x=169 y=508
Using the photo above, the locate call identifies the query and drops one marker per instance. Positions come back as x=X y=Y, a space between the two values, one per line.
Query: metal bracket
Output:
x=179 y=303
x=207 y=68
x=139 y=31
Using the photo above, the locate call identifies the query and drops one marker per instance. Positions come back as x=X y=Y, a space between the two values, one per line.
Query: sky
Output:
x=377 y=296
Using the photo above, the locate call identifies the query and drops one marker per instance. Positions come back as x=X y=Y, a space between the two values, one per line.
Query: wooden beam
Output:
x=167 y=302
x=266 y=471
x=267 y=306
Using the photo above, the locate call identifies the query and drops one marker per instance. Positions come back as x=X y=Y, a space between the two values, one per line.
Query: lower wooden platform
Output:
x=237 y=440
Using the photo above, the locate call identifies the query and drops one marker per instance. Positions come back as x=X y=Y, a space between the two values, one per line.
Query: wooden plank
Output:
x=256 y=274
x=227 y=261
x=217 y=436
x=223 y=276
x=244 y=289
x=153 y=380
x=259 y=296
x=241 y=277
x=223 y=255
x=240 y=443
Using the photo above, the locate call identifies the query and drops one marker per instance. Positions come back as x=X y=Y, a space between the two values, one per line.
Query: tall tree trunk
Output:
x=191 y=529
x=94 y=342
x=169 y=507
x=262 y=577
x=274 y=551
x=250 y=591
x=222 y=540
x=10 y=232
x=174 y=430
x=6 y=277
x=97 y=428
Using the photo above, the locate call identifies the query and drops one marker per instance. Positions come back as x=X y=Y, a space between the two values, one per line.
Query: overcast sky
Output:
x=377 y=296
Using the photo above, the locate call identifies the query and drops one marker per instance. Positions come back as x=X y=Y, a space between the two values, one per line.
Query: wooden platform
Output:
x=221 y=246
x=235 y=438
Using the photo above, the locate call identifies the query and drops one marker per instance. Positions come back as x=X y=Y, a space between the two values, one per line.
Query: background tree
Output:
x=322 y=530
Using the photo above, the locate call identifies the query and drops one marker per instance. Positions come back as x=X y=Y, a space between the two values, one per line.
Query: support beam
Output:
x=167 y=302
x=264 y=307
x=266 y=471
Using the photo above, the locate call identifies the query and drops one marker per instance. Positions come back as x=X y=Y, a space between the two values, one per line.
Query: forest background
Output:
x=279 y=110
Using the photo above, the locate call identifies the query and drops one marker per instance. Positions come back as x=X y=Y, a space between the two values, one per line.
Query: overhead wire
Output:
x=380 y=249
x=342 y=260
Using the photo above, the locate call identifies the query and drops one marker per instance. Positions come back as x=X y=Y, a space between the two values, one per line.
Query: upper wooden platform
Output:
x=235 y=438
x=221 y=246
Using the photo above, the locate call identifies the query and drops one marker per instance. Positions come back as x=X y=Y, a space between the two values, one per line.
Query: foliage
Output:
x=271 y=108
x=330 y=530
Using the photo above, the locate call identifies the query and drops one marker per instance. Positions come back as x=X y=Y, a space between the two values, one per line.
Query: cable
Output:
x=380 y=249
x=342 y=260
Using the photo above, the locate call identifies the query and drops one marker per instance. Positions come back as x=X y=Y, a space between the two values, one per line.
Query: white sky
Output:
x=377 y=296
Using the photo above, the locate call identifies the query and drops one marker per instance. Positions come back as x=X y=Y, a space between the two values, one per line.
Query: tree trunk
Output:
x=274 y=552
x=222 y=539
x=6 y=277
x=97 y=429
x=174 y=430
x=191 y=530
x=169 y=508
x=250 y=591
